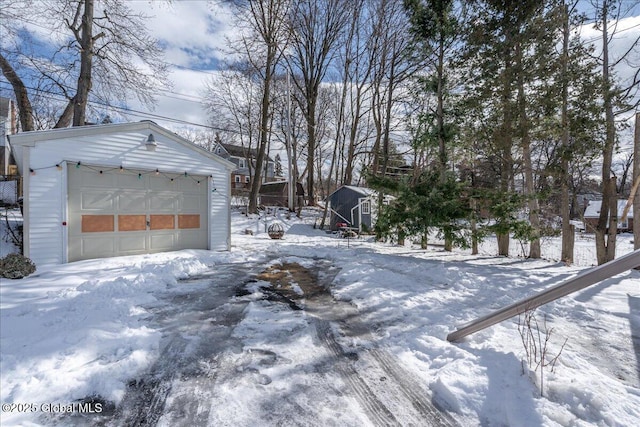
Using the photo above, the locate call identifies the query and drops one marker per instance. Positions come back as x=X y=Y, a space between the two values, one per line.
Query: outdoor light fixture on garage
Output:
x=151 y=143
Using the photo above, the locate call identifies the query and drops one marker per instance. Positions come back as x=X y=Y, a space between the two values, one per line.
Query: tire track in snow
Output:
x=411 y=390
x=376 y=410
x=384 y=388
x=145 y=400
x=198 y=322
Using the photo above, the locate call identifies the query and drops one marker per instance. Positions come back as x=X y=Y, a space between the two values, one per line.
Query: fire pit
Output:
x=275 y=230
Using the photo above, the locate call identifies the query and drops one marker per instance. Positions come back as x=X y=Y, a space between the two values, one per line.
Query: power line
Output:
x=182 y=96
x=127 y=110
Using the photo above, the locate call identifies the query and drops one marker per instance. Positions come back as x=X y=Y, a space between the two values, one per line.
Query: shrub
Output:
x=16 y=266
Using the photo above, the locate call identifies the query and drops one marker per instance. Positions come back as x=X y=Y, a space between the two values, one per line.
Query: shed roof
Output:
x=593 y=209
x=240 y=151
x=361 y=190
x=273 y=187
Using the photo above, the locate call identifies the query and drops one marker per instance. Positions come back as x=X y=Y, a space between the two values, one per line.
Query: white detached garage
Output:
x=119 y=189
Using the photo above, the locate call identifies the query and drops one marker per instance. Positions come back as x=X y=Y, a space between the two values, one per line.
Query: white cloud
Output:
x=183 y=102
x=193 y=32
x=625 y=33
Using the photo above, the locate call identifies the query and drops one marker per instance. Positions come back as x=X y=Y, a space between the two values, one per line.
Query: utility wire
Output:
x=127 y=110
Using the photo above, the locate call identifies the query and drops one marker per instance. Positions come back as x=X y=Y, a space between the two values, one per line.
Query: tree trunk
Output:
x=311 y=151
x=474 y=227
x=353 y=138
x=607 y=222
x=504 y=136
x=568 y=230
x=386 y=140
x=401 y=236
x=376 y=110
x=532 y=200
x=505 y=180
x=264 y=129
x=86 y=60
x=25 y=111
x=503 y=244
x=67 y=115
x=613 y=220
x=442 y=137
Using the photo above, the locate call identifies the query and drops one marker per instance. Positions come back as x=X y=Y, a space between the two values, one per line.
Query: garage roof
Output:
x=26 y=139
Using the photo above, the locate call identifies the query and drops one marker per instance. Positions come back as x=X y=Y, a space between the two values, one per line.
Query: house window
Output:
x=246 y=179
x=366 y=207
x=238 y=178
x=241 y=163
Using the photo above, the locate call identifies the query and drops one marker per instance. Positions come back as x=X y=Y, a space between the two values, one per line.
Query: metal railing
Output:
x=581 y=281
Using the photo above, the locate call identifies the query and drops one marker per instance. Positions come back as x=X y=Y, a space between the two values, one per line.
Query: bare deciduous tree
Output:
x=392 y=68
x=264 y=24
x=100 y=51
x=315 y=29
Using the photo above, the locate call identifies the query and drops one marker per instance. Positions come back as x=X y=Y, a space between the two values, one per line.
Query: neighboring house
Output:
x=592 y=213
x=119 y=189
x=240 y=176
x=9 y=179
x=8 y=126
x=355 y=206
x=277 y=194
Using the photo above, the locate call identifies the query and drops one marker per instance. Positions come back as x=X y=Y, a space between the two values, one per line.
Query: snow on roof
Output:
x=593 y=209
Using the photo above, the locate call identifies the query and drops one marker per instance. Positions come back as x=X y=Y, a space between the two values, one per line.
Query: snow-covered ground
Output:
x=89 y=328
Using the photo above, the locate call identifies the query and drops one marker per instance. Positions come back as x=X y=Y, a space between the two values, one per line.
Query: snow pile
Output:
x=82 y=329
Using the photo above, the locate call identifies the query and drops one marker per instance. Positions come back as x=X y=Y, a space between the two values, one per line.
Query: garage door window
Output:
x=162 y=222
x=132 y=222
x=97 y=223
x=188 y=221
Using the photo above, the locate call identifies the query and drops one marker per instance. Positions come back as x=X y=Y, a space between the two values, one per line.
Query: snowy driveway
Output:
x=266 y=344
x=260 y=341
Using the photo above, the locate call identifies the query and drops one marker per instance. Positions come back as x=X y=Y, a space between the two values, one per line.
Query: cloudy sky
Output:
x=194 y=34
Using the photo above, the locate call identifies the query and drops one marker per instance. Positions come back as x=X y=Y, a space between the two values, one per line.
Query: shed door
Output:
x=113 y=213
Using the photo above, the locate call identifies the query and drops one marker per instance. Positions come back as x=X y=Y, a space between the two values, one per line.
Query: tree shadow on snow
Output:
x=634 y=321
x=593 y=290
x=510 y=394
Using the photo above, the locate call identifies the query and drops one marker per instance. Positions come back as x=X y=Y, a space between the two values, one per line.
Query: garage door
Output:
x=128 y=212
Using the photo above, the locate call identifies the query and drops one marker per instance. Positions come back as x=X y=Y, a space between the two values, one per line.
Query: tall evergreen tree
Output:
x=617 y=99
x=432 y=198
x=497 y=63
x=436 y=31
x=576 y=114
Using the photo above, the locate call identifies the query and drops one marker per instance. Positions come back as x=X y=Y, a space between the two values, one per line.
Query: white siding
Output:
x=47 y=188
x=220 y=217
x=45 y=216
